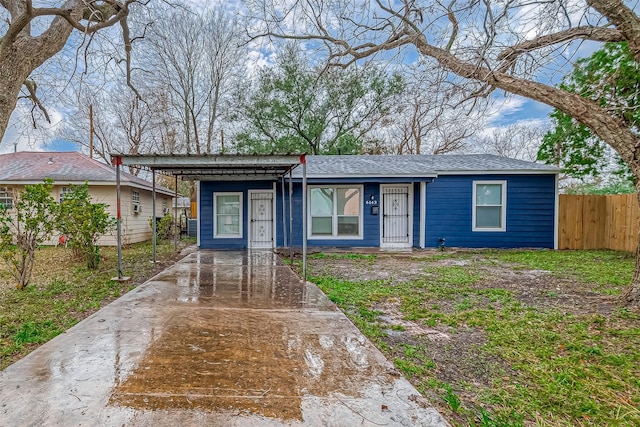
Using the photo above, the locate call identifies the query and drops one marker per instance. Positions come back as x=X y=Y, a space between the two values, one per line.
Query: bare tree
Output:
x=196 y=58
x=433 y=118
x=497 y=45
x=31 y=35
x=517 y=141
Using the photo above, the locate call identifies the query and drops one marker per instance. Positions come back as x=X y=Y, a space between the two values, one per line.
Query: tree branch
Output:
x=625 y=20
x=601 y=34
x=31 y=87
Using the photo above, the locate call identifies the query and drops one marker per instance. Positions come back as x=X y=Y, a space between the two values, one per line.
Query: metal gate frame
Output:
x=409 y=242
x=273 y=218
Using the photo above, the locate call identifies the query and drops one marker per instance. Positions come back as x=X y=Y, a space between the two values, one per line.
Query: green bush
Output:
x=83 y=223
x=24 y=228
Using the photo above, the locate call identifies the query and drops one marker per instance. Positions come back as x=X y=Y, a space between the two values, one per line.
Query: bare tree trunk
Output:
x=10 y=84
x=20 y=58
x=21 y=52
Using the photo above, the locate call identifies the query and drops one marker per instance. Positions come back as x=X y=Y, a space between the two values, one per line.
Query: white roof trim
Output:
x=356 y=175
x=62 y=183
x=502 y=172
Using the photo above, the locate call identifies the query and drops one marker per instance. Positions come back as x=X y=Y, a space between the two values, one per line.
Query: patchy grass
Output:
x=469 y=335
x=63 y=292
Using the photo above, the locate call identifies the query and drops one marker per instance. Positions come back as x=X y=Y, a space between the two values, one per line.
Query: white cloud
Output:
x=502 y=109
x=21 y=136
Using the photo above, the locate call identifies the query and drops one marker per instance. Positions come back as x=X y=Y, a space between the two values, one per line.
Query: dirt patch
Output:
x=540 y=288
x=399 y=268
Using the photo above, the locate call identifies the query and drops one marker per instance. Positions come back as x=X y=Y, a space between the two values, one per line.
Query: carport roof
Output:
x=219 y=167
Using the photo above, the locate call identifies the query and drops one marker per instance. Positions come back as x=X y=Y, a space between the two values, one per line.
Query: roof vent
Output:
x=50 y=162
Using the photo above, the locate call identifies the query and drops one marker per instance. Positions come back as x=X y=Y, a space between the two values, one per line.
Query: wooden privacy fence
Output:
x=598 y=222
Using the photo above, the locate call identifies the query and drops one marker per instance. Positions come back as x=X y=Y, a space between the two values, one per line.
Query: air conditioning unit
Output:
x=137 y=208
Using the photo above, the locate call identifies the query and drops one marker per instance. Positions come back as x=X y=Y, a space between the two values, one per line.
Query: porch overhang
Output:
x=219 y=167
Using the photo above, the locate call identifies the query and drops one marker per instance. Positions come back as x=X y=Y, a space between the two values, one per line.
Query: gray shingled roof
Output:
x=417 y=165
x=63 y=167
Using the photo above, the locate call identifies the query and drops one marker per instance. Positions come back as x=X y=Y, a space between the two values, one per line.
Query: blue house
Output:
x=395 y=202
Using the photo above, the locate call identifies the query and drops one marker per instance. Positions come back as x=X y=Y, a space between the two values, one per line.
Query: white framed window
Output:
x=135 y=197
x=6 y=197
x=335 y=212
x=64 y=191
x=489 y=206
x=227 y=211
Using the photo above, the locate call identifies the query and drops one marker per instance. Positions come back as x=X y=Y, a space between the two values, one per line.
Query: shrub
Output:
x=25 y=227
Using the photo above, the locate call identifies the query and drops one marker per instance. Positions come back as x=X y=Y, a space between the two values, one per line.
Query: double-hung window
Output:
x=6 y=197
x=489 y=205
x=64 y=192
x=335 y=211
x=227 y=210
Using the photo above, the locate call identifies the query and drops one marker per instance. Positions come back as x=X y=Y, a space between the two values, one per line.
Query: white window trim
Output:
x=334 y=214
x=503 y=211
x=215 y=215
x=133 y=198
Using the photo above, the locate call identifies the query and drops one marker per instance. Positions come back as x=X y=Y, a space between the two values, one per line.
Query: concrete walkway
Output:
x=218 y=339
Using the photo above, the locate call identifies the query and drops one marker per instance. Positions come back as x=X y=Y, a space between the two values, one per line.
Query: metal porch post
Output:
x=118 y=161
x=291 y=215
x=153 y=212
x=284 y=217
x=304 y=217
x=175 y=218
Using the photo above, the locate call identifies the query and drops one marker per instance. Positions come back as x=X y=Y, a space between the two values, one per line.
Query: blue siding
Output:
x=530 y=212
x=207 y=188
x=529 y=217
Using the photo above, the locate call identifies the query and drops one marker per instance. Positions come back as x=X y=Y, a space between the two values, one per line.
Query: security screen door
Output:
x=261 y=219
x=395 y=216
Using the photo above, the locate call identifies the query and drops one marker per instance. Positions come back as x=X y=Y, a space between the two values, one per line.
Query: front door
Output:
x=260 y=219
x=396 y=216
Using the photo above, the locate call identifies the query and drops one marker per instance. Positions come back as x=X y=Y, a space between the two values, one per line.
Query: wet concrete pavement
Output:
x=220 y=339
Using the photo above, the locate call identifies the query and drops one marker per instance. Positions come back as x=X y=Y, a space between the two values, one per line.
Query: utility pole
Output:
x=91 y=131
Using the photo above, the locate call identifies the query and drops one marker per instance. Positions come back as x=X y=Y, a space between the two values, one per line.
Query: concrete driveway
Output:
x=221 y=339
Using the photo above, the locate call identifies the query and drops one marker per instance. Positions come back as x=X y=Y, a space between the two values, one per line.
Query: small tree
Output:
x=22 y=230
x=84 y=222
x=163 y=227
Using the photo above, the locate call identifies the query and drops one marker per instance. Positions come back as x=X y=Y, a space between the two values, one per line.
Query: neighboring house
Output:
x=389 y=202
x=70 y=168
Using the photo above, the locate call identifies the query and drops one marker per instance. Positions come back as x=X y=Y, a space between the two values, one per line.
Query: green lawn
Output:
x=63 y=292
x=530 y=337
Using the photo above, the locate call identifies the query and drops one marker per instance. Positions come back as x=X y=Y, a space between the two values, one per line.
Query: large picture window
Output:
x=227 y=208
x=489 y=205
x=335 y=212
